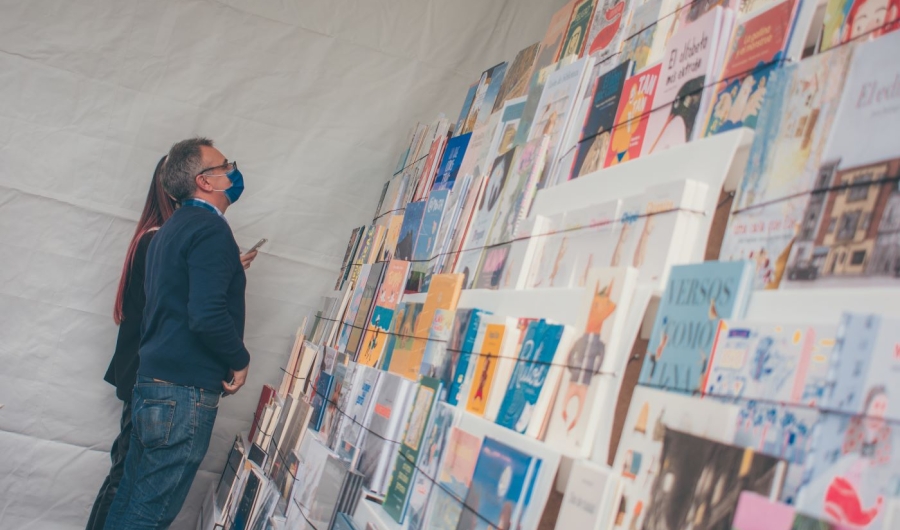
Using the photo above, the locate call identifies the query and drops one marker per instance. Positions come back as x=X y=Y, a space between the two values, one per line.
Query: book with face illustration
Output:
x=593 y=140
x=594 y=363
x=454 y=478
x=608 y=28
x=519 y=190
x=515 y=82
x=628 y=136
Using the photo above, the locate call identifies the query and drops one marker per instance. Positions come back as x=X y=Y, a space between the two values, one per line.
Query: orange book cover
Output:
x=632 y=117
x=484 y=368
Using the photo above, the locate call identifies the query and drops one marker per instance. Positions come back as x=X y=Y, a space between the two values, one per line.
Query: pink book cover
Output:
x=757 y=512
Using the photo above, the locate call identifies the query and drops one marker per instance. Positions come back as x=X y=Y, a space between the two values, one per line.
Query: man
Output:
x=192 y=348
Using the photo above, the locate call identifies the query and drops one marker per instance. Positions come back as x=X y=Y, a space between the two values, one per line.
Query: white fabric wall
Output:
x=314 y=99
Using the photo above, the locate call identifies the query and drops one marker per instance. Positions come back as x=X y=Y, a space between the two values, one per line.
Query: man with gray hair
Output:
x=192 y=349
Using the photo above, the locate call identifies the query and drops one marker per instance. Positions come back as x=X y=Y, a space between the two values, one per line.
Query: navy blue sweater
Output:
x=194 y=315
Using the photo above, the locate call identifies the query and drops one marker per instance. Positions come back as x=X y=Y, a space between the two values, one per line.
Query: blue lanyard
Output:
x=201 y=204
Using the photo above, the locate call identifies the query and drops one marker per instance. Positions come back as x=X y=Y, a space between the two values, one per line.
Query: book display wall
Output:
x=521 y=259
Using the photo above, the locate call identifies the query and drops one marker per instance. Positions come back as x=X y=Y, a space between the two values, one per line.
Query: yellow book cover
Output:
x=484 y=368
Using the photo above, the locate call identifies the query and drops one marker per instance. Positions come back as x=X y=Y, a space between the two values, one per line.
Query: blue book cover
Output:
x=412 y=220
x=319 y=400
x=535 y=360
x=453 y=156
x=431 y=221
x=696 y=298
x=462 y=353
x=501 y=482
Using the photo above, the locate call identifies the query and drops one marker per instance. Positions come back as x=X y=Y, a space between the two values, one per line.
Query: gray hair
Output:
x=184 y=163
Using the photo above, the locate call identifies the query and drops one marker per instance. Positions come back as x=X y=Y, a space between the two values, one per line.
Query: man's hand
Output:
x=237 y=381
x=247 y=259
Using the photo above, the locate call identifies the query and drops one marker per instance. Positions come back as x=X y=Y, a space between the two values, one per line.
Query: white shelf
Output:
x=370 y=513
x=822 y=305
x=564 y=306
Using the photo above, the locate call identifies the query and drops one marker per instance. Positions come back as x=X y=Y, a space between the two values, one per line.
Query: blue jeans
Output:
x=172 y=428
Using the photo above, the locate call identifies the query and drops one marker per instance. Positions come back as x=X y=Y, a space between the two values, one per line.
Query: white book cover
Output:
x=595 y=364
x=592 y=238
x=528 y=240
x=588 y=501
x=519 y=190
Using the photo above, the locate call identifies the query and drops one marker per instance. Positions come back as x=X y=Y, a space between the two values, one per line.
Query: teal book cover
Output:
x=535 y=359
x=461 y=352
x=696 y=298
x=396 y=500
x=431 y=221
x=502 y=480
x=412 y=220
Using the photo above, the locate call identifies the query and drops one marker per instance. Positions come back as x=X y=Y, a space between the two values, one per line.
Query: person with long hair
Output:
x=128 y=315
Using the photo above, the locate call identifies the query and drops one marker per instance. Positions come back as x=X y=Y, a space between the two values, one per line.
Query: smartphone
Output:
x=258 y=244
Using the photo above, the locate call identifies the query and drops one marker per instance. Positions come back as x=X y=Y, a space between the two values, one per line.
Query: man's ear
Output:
x=202 y=183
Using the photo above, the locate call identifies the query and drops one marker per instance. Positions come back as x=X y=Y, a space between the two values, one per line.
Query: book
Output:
x=320 y=400
x=443 y=293
x=519 y=191
x=593 y=140
x=466 y=107
x=686 y=82
x=850 y=20
x=248 y=499
x=462 y=354
x=378 y=449
x=756 y=512
x=412 y=220
x=499 y=488
x=627 y=138
x=443 y=419
x=695 y=299
x=351 y=429
x=486 y=364
x=846 y=238
x=434 y=211
x=436 y=347
x=608 y=29
x=639 y=32
x=535 y=379
x=397 y=497
x=504 y=132
x=515 y=82
x=460 y=231
x=347 y=321
x=476 y=115
x=404 y=317
x=348 y=256
x=506 y=364
x=454 y=479
x=453 y=155
x=265 y=397
x=577 y=32
x=485 y=113
x=312 y=459
x=490 y=270
x=759 y=45
x=590 y=386
x=588 y=500
x=364 y=310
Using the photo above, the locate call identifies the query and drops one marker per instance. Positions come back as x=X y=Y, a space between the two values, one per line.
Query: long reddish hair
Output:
x=157 y=209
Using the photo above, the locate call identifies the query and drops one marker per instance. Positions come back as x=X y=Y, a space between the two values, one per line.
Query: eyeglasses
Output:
x=227 y=167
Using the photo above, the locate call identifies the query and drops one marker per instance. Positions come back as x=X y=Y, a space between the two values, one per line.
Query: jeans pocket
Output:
x=208 y=400
x=153 y=422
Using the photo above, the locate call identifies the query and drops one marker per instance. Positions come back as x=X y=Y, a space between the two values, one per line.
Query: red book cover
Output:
x=760 y=39
x=631 y=118
x=264 y=398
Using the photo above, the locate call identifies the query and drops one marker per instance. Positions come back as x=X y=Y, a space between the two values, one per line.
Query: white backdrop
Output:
x=314 y=99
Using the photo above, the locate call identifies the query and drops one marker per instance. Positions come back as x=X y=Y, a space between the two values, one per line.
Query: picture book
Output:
x=412 y=219
x=453 y=480
x=464 y=112
x=850 y=20
x=490 y=270
x=486 y=363
x=627 y=138
x=755 y=52
x=535 y=378
x=443 y=419
x=475 y=112
x=593 y=239
x=429 y=171
x=452 y=214
x=378 y=450
x=519 y=190
x=505 y=130
x=312 y=458
x=443 y=293
x=757 y=512
x=377 y=336
x=590 y=493
x=846 y=237
x=434 y=211
x=351 y=430
x=323 y=388
x=507 y=361
x=783 y=361
x=361 y=320
x=453 y=154
x=401 y=335
x=577 y=32
x=524 y=250
x=395 y=502
x=515 y=82
x=700 y=481
x=394 y=223
x=608 y=27
x=641 y=28
x=461 y=230
x=497 y=75
x=499 y=488
x=685 y=82
x=695 y=299
x=438 y=337
x=593 y=141
x=590 y=384
x=346 y=322
x=461 y=352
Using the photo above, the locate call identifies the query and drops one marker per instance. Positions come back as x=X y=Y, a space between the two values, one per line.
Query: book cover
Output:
x=377 y=336
x=449 y=222
x=685 y=83
x=849 y=20
x=461 y=352
x=394 y=223
x=755 y=52
x=353 y=419
x=590 y=385
x=454 y=479
x=429 y=169
x=695 y=299
x=403 y=318
x=434 y=211
x=638 y=458
x=485 y=113
x=577 y=32
x=346 y=321
x=396 y=500
x=519 y=191
x=403 y=342
x=486 y=365
x=438 y=337
x=588 y=500
x=608 y=28
x=412 y=220
x=490 y=270
x=515 y=82
x=506 y=364
x=443 y=419
x=320 y=399
x=505 y=131
x=476 y=114
x=501 y=480
x=464 y=112
x=640 y=31
x=265 y=397
x=593 y=141
x=453 y=156
x=757 y=512
x=683 y=493
x=627 y=138
x=595 y=232
x=460 y=231
x=364 y=311
x=848 y=237
x=533 y=384
x=443 y=293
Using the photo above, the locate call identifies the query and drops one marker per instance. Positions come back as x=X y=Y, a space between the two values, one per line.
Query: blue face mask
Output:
x=234 y=192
